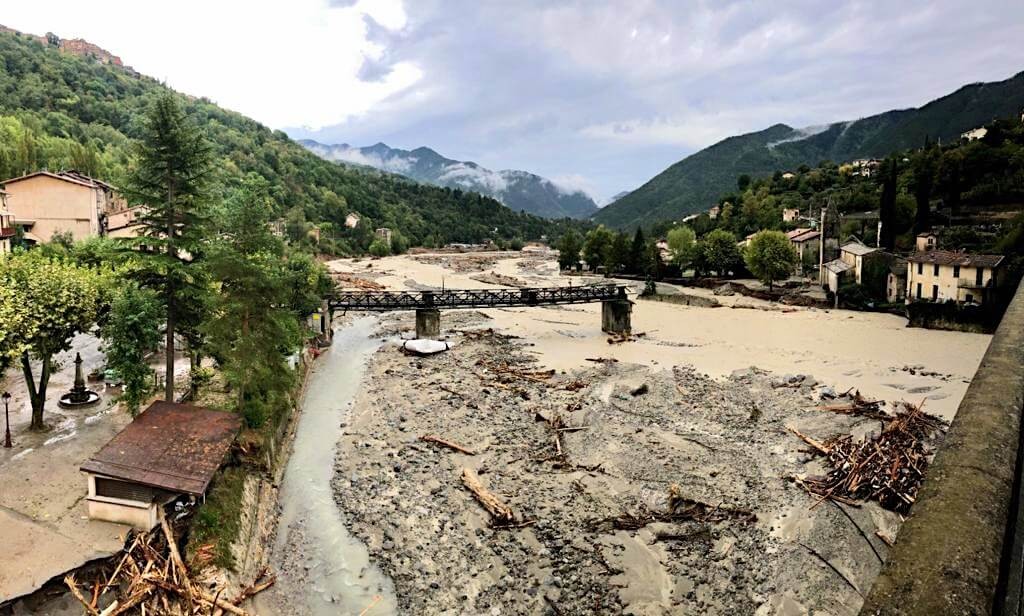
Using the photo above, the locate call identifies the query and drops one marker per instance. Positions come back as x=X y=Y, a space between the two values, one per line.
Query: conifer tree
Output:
x=171 y=178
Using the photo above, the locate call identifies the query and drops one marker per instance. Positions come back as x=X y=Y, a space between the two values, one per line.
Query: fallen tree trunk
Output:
x=501 y=513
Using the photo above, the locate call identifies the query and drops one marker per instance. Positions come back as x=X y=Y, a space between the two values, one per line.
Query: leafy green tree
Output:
x=597 y=246
x=619 y=255
x=49 y=301
x=770 y=256
x=398 y=243
x=569 y=247
x=379 y=248
x=130 y=332
x=719 y=252
x=252 y=326
x=171 y=177
x=682 y=243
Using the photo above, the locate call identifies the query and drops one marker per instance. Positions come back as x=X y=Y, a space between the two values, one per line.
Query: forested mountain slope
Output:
x=63 y=110
x=519 y=190
x=695 y=183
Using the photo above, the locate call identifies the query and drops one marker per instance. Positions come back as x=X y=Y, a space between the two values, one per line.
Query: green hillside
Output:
x=696 y=182
x=61 y=111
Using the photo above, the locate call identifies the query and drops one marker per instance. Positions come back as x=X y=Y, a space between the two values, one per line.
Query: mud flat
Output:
x=679 y=412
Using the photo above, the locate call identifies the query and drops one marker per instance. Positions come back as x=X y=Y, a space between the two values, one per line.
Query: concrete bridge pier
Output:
x=616 y=316
x=428 y=323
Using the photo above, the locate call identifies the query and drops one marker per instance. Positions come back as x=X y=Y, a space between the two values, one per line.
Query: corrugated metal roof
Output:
x=948 y=257
x=176 y=447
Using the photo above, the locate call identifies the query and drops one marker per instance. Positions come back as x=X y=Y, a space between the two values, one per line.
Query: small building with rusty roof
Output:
x=169 y=450
x=953 y=276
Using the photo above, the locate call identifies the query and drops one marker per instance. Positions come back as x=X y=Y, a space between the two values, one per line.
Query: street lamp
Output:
x=7 y=420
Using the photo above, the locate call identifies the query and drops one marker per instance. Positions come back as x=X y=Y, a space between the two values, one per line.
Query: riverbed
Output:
x=322 y=569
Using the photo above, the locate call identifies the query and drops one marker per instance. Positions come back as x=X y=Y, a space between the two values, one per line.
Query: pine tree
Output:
x=171 y=178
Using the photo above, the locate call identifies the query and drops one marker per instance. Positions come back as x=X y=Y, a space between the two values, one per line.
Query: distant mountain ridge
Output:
x=519 y=190
x=696 y=182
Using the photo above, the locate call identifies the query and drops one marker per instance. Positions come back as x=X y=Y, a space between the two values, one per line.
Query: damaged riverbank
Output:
x=628 y=437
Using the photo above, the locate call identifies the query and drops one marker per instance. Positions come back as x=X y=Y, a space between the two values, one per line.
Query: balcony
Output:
x=6 y=231
x=972 y=283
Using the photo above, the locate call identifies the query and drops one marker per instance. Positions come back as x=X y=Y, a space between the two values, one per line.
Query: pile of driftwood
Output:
x=504 y=375
x=152 y=578
x=888 y=467
x=619 y=338
x=858 y=405
x=680 y=509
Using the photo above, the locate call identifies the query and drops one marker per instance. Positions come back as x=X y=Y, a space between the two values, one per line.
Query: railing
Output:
x=385 y=301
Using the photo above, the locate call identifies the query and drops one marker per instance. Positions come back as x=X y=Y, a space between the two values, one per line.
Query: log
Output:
x=501 y=512
x=69 y=580
x=818 y=445
x=430 y=438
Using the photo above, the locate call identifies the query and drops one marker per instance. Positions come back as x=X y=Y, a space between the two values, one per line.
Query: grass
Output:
x=217 y=521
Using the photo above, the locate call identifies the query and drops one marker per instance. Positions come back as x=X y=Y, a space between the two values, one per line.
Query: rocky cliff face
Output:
x=78 y=47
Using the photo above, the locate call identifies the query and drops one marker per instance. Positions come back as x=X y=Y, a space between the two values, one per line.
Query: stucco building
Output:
x=6 y=226
x=943 y=275
x=45 y=203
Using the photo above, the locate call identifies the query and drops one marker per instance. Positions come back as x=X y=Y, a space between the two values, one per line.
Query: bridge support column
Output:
x=616 y=316
x=428 y=323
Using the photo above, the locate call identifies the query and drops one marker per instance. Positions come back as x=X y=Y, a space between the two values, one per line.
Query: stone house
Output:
x=944 y=275
x=790 y=214
x=384 y=234
x=352 y=220
x=854 y=253
x=896 y=280
x=45 y=203
x=926 y=241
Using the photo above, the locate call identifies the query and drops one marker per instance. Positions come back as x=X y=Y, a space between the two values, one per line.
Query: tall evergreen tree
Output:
x=925 y=163
x=636 y=252
x=887 y=206
x=171 y=178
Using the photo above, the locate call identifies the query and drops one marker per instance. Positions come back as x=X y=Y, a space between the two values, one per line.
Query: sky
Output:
x=599 y=96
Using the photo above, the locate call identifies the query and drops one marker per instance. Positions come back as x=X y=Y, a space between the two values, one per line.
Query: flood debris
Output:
x=501 y=514
x=680 y=509
x=430 y=438
x=151 y=577
x=888 y=467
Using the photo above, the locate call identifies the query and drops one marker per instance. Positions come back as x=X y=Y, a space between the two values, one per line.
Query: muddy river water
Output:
x=323 y=569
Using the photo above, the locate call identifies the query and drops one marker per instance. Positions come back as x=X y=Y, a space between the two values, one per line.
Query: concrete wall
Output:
x=948 y=555
x=55 y=205
x=141 y=515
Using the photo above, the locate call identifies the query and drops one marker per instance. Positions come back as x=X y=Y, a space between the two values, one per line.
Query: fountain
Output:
x=79 y=395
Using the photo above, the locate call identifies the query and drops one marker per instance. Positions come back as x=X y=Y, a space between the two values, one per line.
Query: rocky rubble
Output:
x=630 y=436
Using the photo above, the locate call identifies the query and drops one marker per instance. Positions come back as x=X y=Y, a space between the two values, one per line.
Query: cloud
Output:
x=469 y=175
x=612 y=91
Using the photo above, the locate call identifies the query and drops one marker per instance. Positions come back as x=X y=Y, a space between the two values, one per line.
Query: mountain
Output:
x=696 y=182
x=519 y=190
x=71 y=105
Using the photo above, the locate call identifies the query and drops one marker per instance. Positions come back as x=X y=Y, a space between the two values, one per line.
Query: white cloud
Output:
x=284 y=63
x=470 y=176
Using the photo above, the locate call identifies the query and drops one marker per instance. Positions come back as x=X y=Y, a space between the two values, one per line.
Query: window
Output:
x=935 y=271
x=920 y=268
x=919 y=290
x=122 y=489
x=956 y=271
x=970 y=298
x=979 y=275
x=935 y=292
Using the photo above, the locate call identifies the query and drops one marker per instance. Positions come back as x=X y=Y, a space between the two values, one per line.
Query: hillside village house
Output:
x=926 y=241
x=124 y=223
x=45 y=203
x=714 y=211
x=850 y=264
x=806 y=242
x=790 y=214
x=896 y=281
x=352 y=220
x=6 y=225
x=384 y=233
x=943 y=276
x=974 y=134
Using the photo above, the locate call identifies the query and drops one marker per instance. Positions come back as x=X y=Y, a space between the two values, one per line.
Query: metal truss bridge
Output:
x=387 y=301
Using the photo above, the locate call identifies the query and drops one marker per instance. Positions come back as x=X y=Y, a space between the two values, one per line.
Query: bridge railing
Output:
x=380 y=301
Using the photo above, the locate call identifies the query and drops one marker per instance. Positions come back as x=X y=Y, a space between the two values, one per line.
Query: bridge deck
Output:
x=386 y=301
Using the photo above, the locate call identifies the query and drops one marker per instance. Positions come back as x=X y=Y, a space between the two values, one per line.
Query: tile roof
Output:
x=67 y=177
x=948 y=257
x=175 y=447
x=806 y=235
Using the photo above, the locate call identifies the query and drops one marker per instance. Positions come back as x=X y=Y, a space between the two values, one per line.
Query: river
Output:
x=322 y=569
